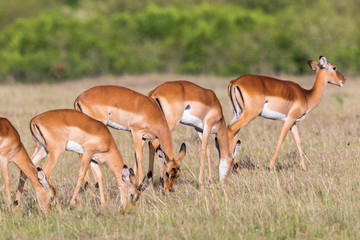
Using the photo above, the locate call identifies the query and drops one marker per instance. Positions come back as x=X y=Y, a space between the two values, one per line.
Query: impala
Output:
x=254 y=95
x=66 y=129
x=124 y=109
x=12 y=150
x=187 y=103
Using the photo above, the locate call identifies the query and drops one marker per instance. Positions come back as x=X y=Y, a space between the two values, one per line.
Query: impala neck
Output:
x=315 y=94
x=223 y=141
x=165 y=141
x=28 y=168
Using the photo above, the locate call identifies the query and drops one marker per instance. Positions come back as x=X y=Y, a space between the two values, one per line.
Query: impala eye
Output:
x=334 y=68
x=132 y=197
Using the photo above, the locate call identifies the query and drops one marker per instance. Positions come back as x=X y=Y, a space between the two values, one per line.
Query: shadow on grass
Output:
x=290 y=161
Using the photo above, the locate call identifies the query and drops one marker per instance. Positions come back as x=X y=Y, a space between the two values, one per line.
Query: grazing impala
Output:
x=66 y=129
x=12 y=150
x=124 y=109
x=187 y=103
x=253 y=95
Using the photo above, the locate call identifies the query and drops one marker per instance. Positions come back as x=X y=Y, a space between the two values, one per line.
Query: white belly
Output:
x=117 y=126
x=188 y=119
x=268 y=113
x=74 y=147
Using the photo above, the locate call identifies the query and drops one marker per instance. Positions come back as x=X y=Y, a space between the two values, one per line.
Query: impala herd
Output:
x=153 y=117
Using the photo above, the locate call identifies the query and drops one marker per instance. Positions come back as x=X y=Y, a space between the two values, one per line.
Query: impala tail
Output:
x=77 y=105
x=37 y=134
x=236 y=99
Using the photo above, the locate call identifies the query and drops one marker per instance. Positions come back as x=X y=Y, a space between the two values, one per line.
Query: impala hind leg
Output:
x=233 y=129
x=96 y=170
x=87 y=183
x=296 y=135
x=204 y=146
x=151 y=156
x=285 y=129
x=139 y=145
x=200 y=134
x=6 y=176
x=85 y=162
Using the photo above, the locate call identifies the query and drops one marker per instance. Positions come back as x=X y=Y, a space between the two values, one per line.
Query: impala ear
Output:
x=237 y=149
x=182 y=153
x=131 y=171
x=323 y=62
x=126 y=175
x=144 y=184
x=161 y=154
x=313 y=64
x=42 y=179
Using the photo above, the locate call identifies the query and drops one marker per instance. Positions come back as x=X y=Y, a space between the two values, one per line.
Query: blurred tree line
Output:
x=51 y=40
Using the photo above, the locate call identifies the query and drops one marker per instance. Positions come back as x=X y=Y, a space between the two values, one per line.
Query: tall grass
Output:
x=322 y=203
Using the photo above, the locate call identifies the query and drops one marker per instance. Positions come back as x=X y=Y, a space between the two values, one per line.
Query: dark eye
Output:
x=334 y=68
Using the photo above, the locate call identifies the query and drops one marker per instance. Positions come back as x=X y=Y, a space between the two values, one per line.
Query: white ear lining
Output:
x=161 y=155
x=42 y=180
x=126 y=176
x=324 y=63
x=236 y=149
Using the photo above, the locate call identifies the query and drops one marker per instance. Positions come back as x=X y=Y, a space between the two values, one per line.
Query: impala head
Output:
x=226 y=160
x=46 y=194
x=173 y=167
x=333 y=76
x=135 y=191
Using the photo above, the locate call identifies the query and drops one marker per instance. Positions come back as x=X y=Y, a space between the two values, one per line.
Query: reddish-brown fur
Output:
x=251 y=94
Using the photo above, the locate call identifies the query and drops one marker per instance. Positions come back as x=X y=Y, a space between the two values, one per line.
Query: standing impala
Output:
x=187 y=103
x=124 y=109
x=12 y=150
x=253 y=95
x=66 y=129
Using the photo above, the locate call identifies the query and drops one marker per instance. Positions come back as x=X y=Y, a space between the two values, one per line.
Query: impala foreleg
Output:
x=50 y=163
x=285 y=129
x=296 y=135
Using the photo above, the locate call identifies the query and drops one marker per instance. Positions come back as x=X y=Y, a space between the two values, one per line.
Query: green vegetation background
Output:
x=51 y=40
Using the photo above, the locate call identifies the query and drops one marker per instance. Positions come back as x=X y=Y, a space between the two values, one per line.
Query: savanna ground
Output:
x=321 y=203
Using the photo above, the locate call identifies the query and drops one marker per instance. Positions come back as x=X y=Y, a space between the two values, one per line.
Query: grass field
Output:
x=322 y=203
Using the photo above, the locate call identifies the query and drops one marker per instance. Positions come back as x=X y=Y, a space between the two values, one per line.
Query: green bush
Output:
x=211 y=38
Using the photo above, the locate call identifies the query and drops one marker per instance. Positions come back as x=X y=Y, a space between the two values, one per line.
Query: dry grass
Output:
x=322 y=203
